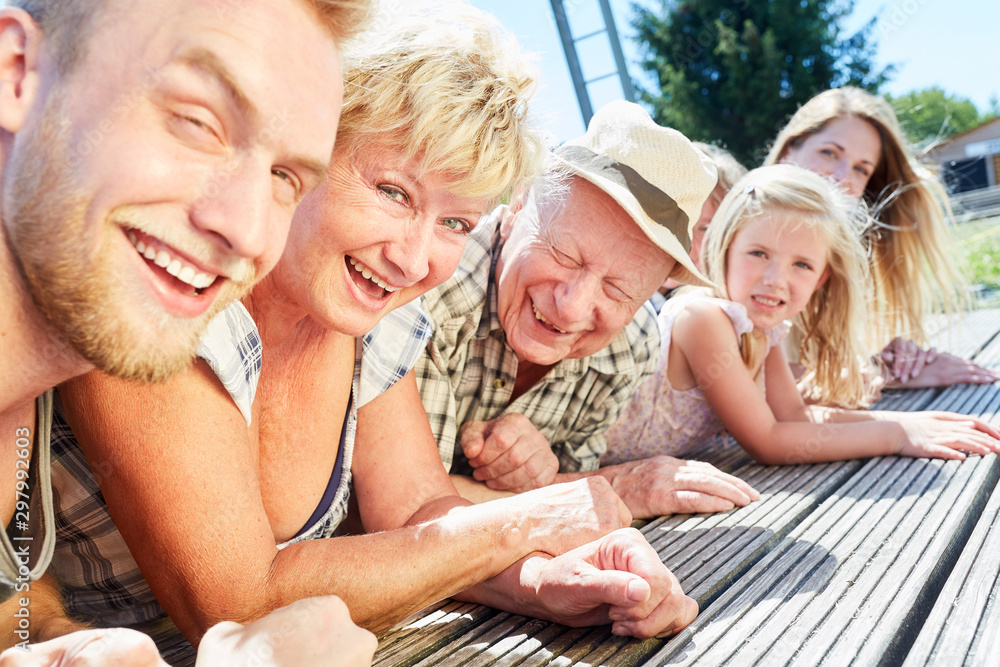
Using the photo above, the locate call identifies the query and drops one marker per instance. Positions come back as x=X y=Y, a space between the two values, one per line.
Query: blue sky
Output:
x=949 y=43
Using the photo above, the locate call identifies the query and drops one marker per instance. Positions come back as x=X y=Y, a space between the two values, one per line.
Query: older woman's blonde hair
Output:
x=832 y=325
x=446 y=84
x=912 y=267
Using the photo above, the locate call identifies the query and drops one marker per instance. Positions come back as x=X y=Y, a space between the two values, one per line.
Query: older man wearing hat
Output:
x=543 y=334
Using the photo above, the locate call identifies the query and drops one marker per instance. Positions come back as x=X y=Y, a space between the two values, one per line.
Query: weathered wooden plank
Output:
x=484 y=643
x=990 y=354
x=716 y=549
x=573 y=646
x=989 y=649
x=705 y=551
x=978 y=400
x=605 y=651
x=416 y=621
x=677 y=528
x=962 y=628
x=893 y=590
x=562 y=649
x=813 y=596
x=454 y=634
x=433 y=629
x=632 y=652
x=541 y=647
x=907 y=400
x=461 y=634
x=778 y=585
x=722 y=452
x=966 y=334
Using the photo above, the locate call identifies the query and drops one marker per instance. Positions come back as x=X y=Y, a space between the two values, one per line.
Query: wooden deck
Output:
x=887 y=561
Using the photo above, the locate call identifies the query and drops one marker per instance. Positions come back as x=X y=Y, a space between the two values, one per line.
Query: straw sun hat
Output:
x=655 y=173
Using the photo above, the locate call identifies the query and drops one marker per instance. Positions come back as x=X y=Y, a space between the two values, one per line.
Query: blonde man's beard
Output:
x=90 y=305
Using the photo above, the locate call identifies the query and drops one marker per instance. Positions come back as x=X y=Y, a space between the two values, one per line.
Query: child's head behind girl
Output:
x=785 y=243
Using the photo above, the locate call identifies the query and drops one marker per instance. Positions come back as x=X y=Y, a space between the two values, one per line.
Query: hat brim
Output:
x=684 y=270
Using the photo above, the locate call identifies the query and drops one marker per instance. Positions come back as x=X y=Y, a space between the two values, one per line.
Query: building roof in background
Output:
x=984 y=139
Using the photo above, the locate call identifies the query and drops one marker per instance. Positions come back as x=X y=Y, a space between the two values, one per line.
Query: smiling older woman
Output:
x=223 y=522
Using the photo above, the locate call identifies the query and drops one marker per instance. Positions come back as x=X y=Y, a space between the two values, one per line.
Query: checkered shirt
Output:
x=392 y=349
x=231 y=346
x=102 y=583
x=468 y=370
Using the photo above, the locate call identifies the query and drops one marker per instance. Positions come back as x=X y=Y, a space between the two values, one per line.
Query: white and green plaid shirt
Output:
x=467 y=372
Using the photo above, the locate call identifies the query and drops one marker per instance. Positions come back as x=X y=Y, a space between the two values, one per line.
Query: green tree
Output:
x=931 y=115
x=734 y=71
x=994 y=109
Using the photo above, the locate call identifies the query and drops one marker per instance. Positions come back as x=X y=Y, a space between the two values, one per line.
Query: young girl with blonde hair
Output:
x=784 y=245
x=854 y=137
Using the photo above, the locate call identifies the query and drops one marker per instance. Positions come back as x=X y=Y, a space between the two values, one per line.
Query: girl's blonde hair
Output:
x=912 y=268
x=447 y=84
x=833 y=322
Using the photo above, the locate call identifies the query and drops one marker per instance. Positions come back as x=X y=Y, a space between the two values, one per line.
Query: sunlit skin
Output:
x=846 y=149
x=570 y=278
x=773 y=266
x=376 y=211
x=185 y=140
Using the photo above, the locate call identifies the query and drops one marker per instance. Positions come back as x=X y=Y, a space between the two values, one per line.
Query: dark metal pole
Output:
x=616 y=48
x=569 y=48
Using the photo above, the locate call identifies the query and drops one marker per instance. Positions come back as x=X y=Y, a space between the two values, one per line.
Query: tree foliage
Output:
x=734 y=71
x=931 y=115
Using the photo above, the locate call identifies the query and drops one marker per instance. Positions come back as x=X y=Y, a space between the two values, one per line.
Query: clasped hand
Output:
x=87 y=648
x=618 y=579
x=509 y=453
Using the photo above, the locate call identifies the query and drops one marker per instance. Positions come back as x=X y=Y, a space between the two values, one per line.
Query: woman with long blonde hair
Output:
x=855 y=138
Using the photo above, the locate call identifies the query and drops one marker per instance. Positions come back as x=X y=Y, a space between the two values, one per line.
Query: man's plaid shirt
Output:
x=468 y=370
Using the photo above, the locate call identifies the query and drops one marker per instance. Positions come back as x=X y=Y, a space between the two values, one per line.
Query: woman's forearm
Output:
x=385 y=576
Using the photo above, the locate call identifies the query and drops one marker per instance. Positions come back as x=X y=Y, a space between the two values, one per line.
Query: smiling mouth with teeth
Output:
x=175 y=266
x=541 y=318
x=764 y=301
x=372 y=278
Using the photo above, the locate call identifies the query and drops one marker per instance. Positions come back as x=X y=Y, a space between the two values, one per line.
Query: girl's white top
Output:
x=664 y=420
